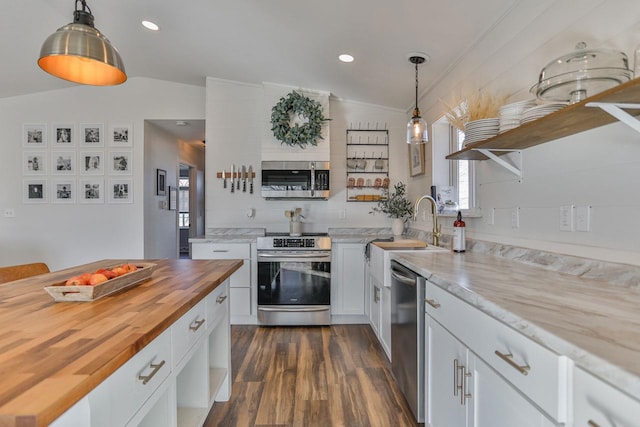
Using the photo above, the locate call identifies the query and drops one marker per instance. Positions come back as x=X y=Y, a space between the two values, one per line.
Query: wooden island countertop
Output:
x=54 y=353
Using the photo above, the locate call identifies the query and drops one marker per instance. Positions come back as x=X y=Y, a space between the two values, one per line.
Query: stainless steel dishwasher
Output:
x=407 y=335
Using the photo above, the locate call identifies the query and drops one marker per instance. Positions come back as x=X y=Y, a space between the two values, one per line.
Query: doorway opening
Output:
x=184 y=211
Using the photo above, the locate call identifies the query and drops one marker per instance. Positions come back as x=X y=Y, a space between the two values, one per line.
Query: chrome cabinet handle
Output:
x=196 y=325
x=464 y=395
x=456 y=369
x=221 y=250
x=156 y=367
x=432 y=303
x=523 y=369
x=221 y=299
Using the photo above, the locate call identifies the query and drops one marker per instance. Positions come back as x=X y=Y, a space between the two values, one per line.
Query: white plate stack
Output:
x=540 y=111
x=479 y=130
x=510 y=114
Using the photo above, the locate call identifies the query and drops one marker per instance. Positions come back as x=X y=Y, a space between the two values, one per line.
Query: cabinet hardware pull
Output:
x=156 y=367
x=221 y=299
x=221 y=250
x=592 y=423
x=196 y=325
x=523 y=369
x=456 y=368
x=464 y=395
x=432 y=303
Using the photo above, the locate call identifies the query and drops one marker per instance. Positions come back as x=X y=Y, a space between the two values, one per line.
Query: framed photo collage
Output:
x=67 y=163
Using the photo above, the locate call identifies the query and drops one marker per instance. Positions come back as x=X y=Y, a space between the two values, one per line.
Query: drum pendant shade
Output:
x=79 y=53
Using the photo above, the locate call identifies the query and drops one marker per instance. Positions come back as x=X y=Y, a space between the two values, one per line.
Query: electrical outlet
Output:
x=9 y=213
x=342 y=214
x=491 y=216
x=566 y=218
x=583 y=218
x=515 y=218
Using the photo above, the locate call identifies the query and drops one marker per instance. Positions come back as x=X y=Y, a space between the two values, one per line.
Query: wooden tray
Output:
x=62 y=293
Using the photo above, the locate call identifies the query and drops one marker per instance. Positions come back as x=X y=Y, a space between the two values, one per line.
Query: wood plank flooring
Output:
x=317 y=376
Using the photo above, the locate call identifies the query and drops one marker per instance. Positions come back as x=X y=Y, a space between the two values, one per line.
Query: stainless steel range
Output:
x=294 y=280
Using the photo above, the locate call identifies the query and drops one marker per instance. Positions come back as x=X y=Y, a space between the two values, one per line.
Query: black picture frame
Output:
x=161 y=182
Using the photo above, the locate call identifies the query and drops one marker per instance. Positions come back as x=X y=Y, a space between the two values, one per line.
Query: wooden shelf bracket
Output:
x=617 y=111
x=514 y=169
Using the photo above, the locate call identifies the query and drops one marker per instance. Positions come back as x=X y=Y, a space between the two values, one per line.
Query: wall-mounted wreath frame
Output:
x=297 y=135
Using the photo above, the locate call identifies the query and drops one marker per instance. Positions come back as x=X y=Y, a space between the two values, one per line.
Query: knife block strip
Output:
x=235 y=175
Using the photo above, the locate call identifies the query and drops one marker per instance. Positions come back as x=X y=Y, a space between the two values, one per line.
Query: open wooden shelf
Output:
x=570 y=120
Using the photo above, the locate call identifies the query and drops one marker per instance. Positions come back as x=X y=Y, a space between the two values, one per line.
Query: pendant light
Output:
x=417 y=131
x=79 y=53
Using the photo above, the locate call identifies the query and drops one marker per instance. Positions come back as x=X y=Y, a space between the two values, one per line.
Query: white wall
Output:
x=237 y=116
x=66 y=235
x=161 y=151
x=600 y=168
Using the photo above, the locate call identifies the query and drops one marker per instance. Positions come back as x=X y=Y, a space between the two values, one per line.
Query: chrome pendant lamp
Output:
x=417 y=129
x=79 y=53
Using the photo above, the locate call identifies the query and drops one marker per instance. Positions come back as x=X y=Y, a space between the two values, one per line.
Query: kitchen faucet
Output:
x=434 y=208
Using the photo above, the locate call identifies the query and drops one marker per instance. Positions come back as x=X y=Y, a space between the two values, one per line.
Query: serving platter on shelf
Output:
x=64 y=293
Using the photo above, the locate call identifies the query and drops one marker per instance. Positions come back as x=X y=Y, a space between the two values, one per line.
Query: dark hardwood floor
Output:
x=317 y=376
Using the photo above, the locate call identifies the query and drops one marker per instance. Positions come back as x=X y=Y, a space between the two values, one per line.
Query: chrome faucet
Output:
x=434 y=209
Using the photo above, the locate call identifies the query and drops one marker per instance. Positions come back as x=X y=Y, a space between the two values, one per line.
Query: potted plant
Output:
x=397 y=206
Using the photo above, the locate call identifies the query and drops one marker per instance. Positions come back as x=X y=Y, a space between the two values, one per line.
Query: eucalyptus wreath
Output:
x=297 y=135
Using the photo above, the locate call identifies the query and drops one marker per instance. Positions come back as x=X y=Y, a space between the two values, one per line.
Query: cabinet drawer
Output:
x=217 y=304
x=536 y=371
x=137 y=379
x=221 y=251
x=187 y=330
x=596 y=403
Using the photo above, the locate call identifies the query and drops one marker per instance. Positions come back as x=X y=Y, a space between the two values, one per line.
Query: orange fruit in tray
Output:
x=97 y=278
x=119 y=271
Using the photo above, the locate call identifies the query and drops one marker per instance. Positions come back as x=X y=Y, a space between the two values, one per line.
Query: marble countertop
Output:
x=592 y=321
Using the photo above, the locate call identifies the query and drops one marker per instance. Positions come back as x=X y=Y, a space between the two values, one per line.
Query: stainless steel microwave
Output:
x=295 y=180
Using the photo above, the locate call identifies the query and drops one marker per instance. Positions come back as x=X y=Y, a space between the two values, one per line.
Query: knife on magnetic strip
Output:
x=250 y=179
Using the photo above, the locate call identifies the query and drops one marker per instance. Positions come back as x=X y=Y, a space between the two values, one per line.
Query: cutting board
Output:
x=401 y=244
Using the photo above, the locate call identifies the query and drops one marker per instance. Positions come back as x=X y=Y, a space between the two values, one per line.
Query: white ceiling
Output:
x=290 y=42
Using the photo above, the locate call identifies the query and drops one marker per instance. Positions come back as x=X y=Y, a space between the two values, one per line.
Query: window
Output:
x=457 y=173
x=462 y=172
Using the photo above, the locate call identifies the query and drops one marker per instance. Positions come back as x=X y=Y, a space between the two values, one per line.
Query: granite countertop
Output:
x=592 y=321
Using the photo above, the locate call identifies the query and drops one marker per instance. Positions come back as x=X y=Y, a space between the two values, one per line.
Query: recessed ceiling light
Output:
x=150 y=25
x=345 y=57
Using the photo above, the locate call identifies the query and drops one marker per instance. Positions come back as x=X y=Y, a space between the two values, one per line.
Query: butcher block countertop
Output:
x=593 y=322
x=54 y=353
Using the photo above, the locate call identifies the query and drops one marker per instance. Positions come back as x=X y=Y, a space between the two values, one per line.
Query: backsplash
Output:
x=618 y=274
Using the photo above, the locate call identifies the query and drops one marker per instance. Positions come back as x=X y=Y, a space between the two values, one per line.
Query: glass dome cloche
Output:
x=582 y=73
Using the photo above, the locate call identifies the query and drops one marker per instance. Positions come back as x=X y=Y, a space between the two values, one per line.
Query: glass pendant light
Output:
x=417 y=130
x=79 y=53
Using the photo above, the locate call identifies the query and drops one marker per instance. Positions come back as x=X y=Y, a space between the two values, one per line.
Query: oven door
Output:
x=294 y=288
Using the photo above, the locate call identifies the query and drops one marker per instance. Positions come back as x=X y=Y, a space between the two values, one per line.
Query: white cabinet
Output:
x=597 y=404
x=490 y=374
x=379 y=299
x=243 y=298
x=347 y=283
x=173 y=381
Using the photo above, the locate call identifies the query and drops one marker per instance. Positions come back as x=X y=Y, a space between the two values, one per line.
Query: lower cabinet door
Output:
x=498 y=404
x=446 y=405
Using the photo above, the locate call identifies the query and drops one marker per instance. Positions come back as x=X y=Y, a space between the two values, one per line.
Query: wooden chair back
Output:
x=17 y=272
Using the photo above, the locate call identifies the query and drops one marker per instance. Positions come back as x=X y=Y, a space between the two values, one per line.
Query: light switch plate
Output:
x=583 y=218
x=566 y=218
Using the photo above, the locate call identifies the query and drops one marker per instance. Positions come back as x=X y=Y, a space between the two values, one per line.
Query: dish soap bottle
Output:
x=458 y=241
